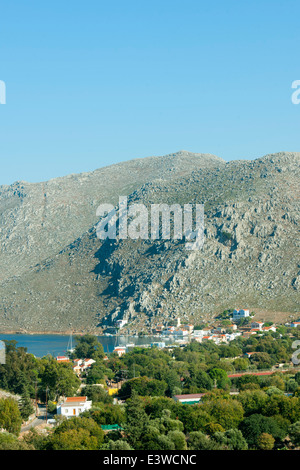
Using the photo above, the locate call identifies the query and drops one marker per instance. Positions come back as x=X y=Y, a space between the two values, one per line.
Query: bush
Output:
x=199 y=441
x=294 y=433
x=232 y=438
x=265 y=441
x=257 y=424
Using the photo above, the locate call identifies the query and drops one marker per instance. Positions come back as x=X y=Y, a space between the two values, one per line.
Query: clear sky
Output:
x=94 y=83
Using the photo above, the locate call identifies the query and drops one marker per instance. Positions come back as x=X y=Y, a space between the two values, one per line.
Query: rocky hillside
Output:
x=56 y=275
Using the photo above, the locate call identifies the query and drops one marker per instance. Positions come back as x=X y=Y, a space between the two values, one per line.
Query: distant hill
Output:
x=56 y=275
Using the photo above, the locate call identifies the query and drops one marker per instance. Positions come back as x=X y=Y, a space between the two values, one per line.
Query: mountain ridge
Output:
x=85 y=283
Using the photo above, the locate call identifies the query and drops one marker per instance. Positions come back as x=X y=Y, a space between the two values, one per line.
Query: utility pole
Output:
x=36 y=405
x=46 y=405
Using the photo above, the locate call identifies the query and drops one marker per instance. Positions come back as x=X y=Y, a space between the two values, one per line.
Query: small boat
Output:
x=70 y=348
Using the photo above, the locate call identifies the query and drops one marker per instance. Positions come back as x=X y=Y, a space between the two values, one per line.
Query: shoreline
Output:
x=59 y=333
x=56 y=333
x=68 y=333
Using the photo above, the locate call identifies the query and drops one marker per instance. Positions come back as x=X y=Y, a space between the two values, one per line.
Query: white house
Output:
x=257 y=325
x=205 y=331
x=73 y=406
x=269 y=328
x=63 y=359
x=120 y=350
x=81 y=365
x=88 y=363
x=240 y=313
x=295 y=324
x=180 y=332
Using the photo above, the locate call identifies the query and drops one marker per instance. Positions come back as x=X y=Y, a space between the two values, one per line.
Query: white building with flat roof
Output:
x=240 y=313
x=190 y=398
x=73 y=406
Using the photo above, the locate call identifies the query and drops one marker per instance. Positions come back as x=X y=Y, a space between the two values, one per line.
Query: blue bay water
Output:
x=57 y=345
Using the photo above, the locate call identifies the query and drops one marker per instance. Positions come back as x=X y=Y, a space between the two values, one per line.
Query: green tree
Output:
x=36 y=440
x=253 y=401
x=294 y=433
x=95 y=375
x=291 y=385
x=20 y=370
x=173 y=382
x=287 y=407
x=58 y=379
x=10 y=442
x=232 y=438
x=25 y=406
x=219 y=376
x=157 y=405
x=274 y=391
x=161 y=442
x=241 y=363
x=136 y=420
x=178 y=439
x=10 y=416
x=88 y=347
x=255 y=425
x=118 y=445
x=79 y=433
x=226 y=412
x=107 y=414
x=199 y=441
x=143 y=386
x=74 y=439
x=96 y=394
x=297 y=377
x=197 y=420
x=263 y=360
x=265 y=441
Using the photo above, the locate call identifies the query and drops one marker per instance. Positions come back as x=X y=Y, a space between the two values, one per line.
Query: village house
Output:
x=82 y=365
x=269 y=328
x=219 y=330
x=181 y=331
x=77 y=370
x=120 y=350
x=255 y=330
x=158 y=330
x=207 y=338
x=240 y=313
x=73 y=406
x=62 y=359
x=204 y=335
x=87 y=363
x=250 y=354
x=257 y=325
x=200 y=333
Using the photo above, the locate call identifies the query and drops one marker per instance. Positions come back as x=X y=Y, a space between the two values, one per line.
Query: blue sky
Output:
x=94 y=83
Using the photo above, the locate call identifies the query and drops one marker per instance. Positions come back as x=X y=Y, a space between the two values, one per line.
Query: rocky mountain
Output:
x=56 y=275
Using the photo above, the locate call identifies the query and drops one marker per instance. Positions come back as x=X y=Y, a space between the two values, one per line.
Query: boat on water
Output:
x=70 y=348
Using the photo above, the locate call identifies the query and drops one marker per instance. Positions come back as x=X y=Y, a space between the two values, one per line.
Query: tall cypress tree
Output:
x=136 y=421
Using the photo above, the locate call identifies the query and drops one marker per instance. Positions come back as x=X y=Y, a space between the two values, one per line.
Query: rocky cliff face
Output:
x=56 y=275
